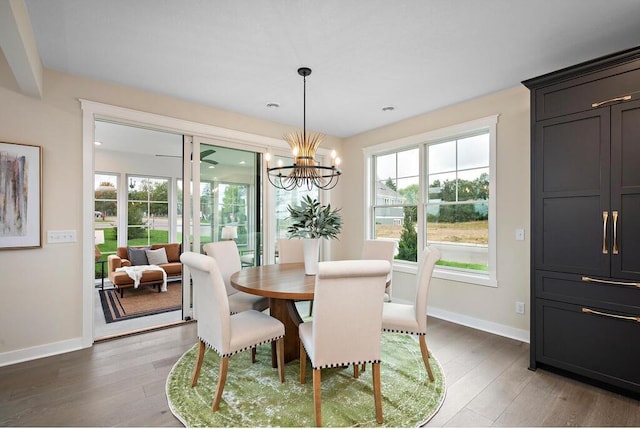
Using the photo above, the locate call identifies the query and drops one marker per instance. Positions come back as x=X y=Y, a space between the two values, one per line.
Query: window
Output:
x=457 y=206
x=438 y=189
x=396 y=197
x=106 y=210
x=147 y=211
x=233 y=209
x=285 y=198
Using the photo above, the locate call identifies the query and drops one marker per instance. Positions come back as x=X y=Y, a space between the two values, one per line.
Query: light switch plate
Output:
x=520 y=234
x=65 y=236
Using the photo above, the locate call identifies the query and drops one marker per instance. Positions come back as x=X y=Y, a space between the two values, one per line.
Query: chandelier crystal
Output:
x=305 y=170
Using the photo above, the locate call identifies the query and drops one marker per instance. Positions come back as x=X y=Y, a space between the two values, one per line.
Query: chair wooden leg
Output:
x=222 y=379
x=303 y=364
x=363 y=367
x=198 y=367
x=317 y=406
x=253 y=355
x=280 y=358
x=377 y=394
x=425 y=355
x=356 y=370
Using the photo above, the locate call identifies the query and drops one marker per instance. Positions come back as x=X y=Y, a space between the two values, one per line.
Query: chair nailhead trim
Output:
x=400 y=331
x=241 y=350
x=335 y=365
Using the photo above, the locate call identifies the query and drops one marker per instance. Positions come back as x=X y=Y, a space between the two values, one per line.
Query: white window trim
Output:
x=488 y=123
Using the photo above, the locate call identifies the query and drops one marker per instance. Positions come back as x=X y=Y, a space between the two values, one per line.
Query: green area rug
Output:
x=254 y=397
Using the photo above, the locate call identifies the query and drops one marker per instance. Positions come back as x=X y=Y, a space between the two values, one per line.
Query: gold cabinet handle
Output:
x=615 y=232
x=615 y=316
x=605 y=217
x=609 y=282
x=612 y=100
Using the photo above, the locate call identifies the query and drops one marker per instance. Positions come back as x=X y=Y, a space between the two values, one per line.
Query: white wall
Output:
x=489 y=308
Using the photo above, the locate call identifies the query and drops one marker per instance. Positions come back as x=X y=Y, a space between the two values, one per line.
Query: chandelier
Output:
x=304 y=171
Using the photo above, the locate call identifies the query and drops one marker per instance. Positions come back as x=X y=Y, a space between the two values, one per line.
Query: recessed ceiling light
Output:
x=97 y=143
x=211 y=166
x=242 y=162
x=388 y=108
x=273 y=105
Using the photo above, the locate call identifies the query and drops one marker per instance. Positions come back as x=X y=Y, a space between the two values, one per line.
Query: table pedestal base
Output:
x=285 y=311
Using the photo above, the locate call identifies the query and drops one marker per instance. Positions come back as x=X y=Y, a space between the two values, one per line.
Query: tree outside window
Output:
x=397 y=196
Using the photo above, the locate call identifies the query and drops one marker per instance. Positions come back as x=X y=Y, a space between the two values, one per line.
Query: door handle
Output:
x=609 y=282
x=615 y=316
x=605 y=217
x=611 y=100
x=615 y=232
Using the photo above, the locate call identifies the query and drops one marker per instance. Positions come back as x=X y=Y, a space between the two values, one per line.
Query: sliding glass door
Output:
x=230 y=198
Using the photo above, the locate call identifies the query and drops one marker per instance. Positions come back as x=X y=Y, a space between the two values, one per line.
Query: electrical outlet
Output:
x=520 y=307
x=67 y=236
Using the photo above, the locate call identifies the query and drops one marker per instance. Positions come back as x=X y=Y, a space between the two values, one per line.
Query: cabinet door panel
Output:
x=625 y=188
x=597 y=346
x=571 y=153
x=626 y=264
x=576 y=289
x=571 y=177
x=626 y=120
x=578 y=95
x=572 y=236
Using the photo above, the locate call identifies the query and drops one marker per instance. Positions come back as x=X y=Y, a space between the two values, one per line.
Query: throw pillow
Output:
x=173 y=252
x=157 y=256
x=138 y=256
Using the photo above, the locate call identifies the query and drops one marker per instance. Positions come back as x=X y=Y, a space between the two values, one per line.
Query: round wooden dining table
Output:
x=283 y=284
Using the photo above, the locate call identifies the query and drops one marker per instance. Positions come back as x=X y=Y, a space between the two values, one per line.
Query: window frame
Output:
x=422 y=141
x=129 y=177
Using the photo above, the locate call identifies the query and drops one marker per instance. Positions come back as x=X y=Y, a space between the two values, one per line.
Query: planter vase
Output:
x=311 y=250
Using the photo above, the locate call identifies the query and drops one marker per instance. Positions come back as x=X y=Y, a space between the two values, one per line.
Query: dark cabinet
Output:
x=585 y=219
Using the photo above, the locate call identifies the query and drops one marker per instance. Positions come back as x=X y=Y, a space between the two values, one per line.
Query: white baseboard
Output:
x=483 y=325
x=37 y=352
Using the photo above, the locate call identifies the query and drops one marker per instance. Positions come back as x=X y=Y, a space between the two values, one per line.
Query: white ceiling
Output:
x=416 y=55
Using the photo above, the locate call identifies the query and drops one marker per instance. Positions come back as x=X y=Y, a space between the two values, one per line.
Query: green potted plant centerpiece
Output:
x=311 y=221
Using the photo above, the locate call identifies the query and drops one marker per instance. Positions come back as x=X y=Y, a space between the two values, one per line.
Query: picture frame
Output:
x=20 y=196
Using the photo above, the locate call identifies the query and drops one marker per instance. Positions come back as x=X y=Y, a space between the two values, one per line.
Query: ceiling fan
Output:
x=203 y=156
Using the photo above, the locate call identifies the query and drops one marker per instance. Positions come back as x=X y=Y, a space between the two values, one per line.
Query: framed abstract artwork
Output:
x=20 y=196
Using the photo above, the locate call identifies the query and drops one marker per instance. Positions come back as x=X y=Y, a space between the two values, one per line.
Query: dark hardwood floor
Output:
x=121 y=383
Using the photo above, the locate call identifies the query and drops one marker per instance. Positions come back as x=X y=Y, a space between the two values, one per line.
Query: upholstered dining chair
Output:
x=380 y=249
x=221 y=331
x=412 y=319
x=228 y=258
x=290 y=251
x=346 y=327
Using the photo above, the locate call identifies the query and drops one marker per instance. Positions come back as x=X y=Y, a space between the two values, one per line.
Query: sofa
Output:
x=139 y=256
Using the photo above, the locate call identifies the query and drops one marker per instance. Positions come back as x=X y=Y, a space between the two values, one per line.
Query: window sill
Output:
x=448 y=274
